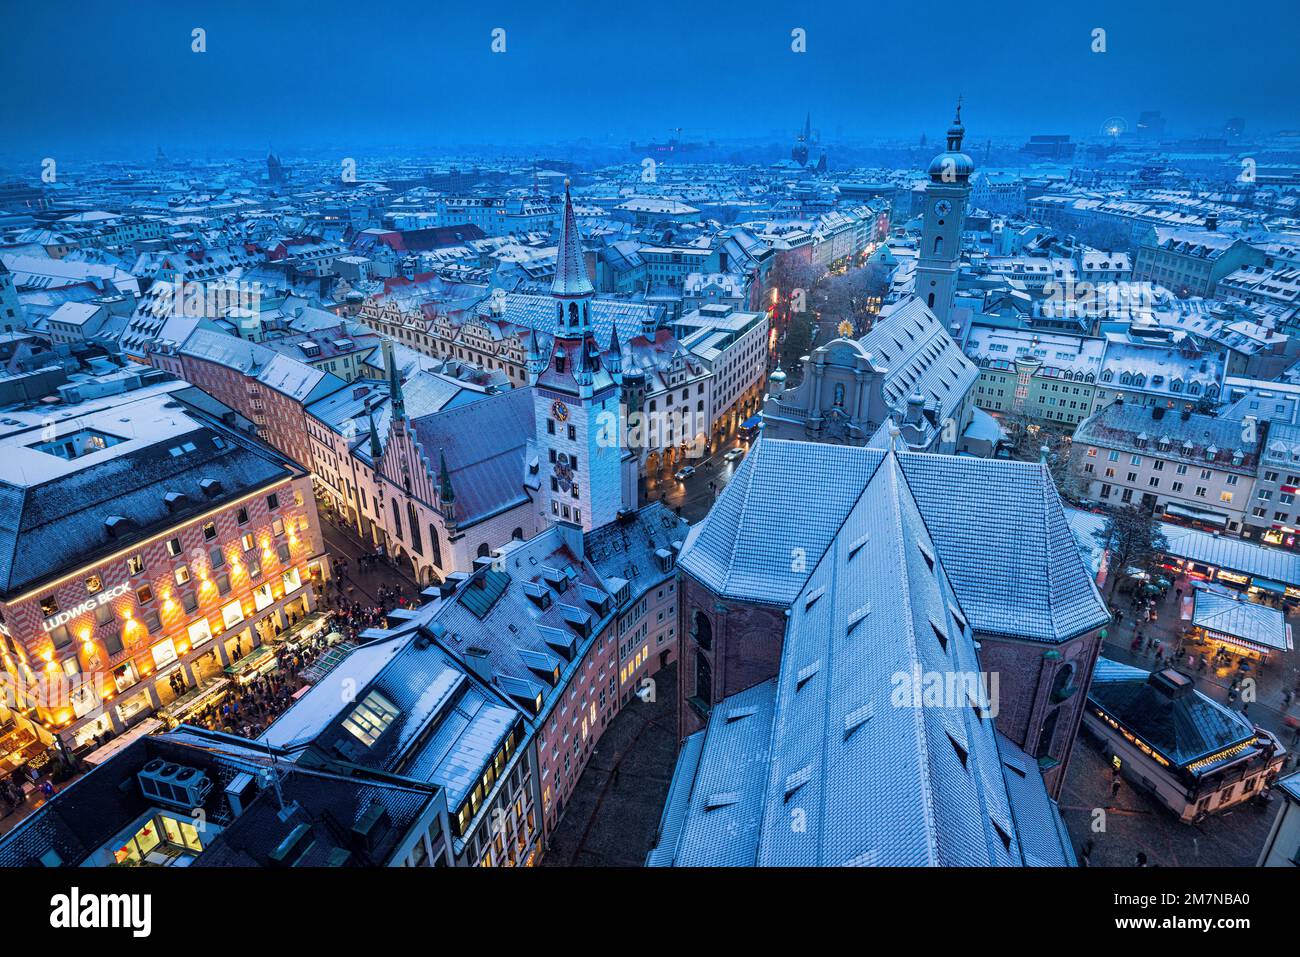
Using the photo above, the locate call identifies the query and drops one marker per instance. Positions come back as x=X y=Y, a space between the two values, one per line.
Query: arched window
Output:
x=483 y=550
x=929 y=301
x=703 y=631
x=415 y=528
x=1063 y=682
x=938 y=245
x=435 y=550
x=397 y=518
x=1044 y=749
x=517 y=534
x=703 y=679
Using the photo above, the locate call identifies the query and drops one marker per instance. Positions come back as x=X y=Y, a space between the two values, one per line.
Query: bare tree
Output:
x=1134 y=539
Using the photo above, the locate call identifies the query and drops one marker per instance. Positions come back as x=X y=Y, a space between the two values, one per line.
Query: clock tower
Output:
x=945 y=211
x=576 y=401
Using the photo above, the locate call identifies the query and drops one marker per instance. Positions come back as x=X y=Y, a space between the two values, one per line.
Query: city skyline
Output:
x=677 y=437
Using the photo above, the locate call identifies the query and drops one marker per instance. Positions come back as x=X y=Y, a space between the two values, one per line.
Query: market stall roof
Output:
x=1206 y=548
x=251 y=660
x=1206 y=515
x=100 y=755
x=1233 y=553
x=1238 y=617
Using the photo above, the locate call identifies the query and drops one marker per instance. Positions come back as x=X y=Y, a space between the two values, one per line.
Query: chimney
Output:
x=451 y=583
x=1211 y=222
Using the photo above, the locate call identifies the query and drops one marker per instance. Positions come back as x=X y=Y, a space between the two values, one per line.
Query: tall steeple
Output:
x=575 y=357
x=578 y=423
x=614 y=357
x=947 y=194
x=571 y=280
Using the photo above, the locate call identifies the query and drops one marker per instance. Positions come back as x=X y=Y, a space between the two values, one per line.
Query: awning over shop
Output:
x=1266 y=584
x=302 y=630
x=1205 y=549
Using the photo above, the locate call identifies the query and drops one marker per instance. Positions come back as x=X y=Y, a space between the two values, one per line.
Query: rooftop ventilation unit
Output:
x=174 y=784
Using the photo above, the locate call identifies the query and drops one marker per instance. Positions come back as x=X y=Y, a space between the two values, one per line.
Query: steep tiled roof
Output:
x=849 y=741
x=999 y=528
x=486 y=446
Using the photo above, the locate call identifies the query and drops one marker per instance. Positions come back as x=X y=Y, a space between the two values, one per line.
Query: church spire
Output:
x=614 y=362
x=570 y=271
x=956 y=131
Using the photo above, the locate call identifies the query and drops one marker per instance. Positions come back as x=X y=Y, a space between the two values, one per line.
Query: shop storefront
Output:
x=1282 y=536
x=22 y=743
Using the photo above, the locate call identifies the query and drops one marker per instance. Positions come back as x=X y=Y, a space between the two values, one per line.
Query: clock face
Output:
x=943 y=207
x=559 y=410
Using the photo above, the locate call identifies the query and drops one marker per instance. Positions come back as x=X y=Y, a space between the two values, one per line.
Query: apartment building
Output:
x=1195 y=468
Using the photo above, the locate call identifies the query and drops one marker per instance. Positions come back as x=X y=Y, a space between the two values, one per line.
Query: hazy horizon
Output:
x=85 y=79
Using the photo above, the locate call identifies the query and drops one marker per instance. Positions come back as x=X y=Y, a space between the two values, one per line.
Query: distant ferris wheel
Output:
x=1115 y=127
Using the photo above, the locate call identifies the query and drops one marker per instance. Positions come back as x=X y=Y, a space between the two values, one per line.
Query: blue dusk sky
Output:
x=120 y=78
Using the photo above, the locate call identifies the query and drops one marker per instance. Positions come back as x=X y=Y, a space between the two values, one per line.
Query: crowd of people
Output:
x=249 y=709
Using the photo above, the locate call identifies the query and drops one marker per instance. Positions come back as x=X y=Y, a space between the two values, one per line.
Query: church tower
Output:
x=946 y=196
x=576 y=400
